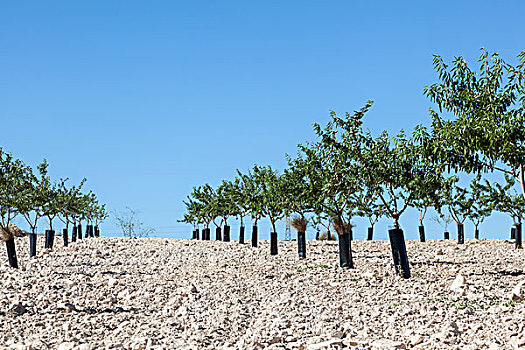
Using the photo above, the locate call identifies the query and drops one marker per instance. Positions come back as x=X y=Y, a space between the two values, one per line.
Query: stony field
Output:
x=178 y=294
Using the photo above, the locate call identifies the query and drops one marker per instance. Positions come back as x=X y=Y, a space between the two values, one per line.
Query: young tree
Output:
x=271 y=185
x=226 y=205
x=14 y=176
x=482 y=207
x=470 y=203
x=254 y=199
x=32 y=197
x=199 y=205
x=131 y=225
x=338 y=174
x=68 y=203
x=299 y=196
x=395 y=168
x=320 y=221
x=443 y=220
x=504 y=198
x=241 y=205
x=368 y=206
x=100 y=215
x=459 y=205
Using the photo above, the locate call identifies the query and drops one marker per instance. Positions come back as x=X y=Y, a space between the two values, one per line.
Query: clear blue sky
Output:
x=148 y=99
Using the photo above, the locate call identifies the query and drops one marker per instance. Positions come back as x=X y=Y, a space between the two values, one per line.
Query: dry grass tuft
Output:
x=340 y=226
x=324 y=236
x=11 y=232
x=299 y=223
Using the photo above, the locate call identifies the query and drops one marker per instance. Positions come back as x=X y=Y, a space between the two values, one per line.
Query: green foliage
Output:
x=369 y=206
x=14 y=178
x=253 y=195
x=396 y=169
x=239 y=197
x=504 y=198
x=489 y=105
x=271 y=185
x=35 y=196
x=337 y=172
x=32 y=196
x=473 y=203
x=300 y=193
x=225 y=204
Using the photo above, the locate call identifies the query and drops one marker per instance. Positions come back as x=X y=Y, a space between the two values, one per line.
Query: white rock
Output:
x=66 y=346
x=111 y=282
x=326 y=344
x=518 y=292
x=416 y=340
x=458 y=284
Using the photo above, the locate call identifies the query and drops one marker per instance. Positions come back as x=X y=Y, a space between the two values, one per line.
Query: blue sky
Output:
x=148 y=99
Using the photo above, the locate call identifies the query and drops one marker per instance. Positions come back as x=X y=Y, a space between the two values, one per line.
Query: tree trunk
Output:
x=241 y=235
x=74 y=234
x=97 y=232
x=254 y=236
x=513 y=232
x=65 y=237
x=226 y=233
x=370 y=233
x=79 y=231
x=518 y=236
x=32 y=242
x=461 y=234
x=51 y=239
x=89 y=231
x=301 y=244
x=46 y=241
x=345 y=251
x=446 y=235
x=422 y=237
x=476 y=233
x=218 y=234
x=11 y=253
x=273 y=243
x=399 y=252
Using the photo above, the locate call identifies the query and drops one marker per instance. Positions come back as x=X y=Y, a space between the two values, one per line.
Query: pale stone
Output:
x=518 y=292
x=326 y=344
x=66 y=346
x=458 y=284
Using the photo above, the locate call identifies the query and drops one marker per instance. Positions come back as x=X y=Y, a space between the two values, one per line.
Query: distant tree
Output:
x=32 y=197
x=226 y=205
x=130 y=224
x=253 y=195
x=14 y=175
x=68 y=202
x=271 y=185
x=505 y=199
x=482 y=206
x=240 y=199
x=300 y=194
x=368 y=206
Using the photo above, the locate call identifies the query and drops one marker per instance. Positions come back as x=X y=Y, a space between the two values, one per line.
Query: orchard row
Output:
x=35 y=196
x=477 y=128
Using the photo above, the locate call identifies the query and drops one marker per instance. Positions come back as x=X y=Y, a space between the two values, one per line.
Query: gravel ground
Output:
x=179 y=294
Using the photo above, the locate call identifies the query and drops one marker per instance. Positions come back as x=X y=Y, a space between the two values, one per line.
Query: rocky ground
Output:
x=161 y=293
